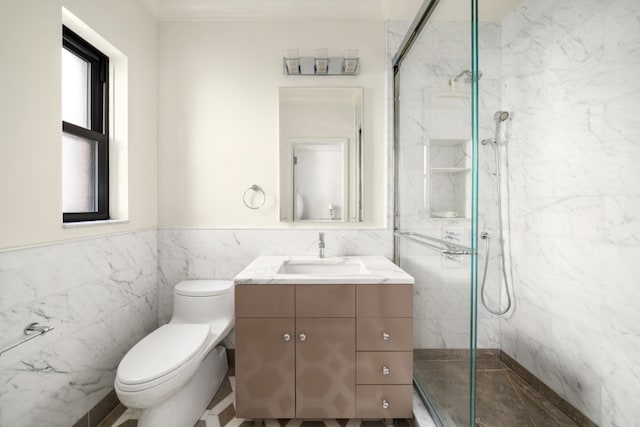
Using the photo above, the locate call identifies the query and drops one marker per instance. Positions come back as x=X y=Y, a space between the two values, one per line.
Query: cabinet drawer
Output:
x=384 y=301
x=325 y=300
x=371 y=333
x=384 y=367
x=371 y=399
x=264 y=301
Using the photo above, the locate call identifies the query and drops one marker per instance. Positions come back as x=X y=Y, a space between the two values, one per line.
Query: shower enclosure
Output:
x=440 y=161
x=516 y=186
x=436 y=200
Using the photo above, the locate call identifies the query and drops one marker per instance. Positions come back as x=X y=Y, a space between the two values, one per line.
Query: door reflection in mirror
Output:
x=319 y=176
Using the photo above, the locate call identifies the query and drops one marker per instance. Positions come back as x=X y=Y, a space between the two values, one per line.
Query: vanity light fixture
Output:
x=321 y=64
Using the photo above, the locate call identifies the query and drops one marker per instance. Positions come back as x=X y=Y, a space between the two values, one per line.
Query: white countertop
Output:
x=264 y=270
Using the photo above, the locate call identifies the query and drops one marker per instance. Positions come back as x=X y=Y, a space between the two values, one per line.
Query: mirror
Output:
x=321 y=154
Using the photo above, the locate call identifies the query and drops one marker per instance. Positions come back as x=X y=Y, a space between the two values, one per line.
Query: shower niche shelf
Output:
x=450 y=178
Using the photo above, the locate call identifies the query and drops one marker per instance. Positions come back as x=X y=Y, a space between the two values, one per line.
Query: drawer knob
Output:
x=286 y=337
x=385 y=404
x=386 y=336
x=303 y=336
x=385 y=370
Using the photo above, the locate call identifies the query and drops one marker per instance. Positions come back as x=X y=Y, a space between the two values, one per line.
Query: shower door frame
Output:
x=419 y=22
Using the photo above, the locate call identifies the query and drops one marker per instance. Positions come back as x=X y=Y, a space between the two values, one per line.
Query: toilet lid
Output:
x=203 y=288
x=162 y=351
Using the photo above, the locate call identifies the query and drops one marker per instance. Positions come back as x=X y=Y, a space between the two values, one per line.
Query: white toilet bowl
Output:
x=173 y=373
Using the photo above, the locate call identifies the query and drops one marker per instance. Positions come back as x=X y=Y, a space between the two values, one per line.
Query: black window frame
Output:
x=99 y=122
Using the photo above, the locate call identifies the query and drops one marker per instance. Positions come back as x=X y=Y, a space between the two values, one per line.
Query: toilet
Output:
x=174 y=372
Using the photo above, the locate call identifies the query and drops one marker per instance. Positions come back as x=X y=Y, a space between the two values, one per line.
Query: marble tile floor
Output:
x=503 y=399
x=221 y=413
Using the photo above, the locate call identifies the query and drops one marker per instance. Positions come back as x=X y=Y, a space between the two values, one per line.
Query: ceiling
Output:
x=238 y=10
x=369 y=10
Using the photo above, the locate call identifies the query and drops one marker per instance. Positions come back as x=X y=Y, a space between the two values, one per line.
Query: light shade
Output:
x=350 y=62
x=291 y=61
x=321 y=61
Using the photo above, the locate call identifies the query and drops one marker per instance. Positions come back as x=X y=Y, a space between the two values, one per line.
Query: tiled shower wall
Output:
x=570 y=79
x=429 y=111
x=100 y=295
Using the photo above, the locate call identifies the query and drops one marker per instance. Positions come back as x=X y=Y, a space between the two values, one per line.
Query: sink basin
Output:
x=323 y=267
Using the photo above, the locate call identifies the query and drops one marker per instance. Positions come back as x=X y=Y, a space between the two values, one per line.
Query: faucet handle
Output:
x=321 y=244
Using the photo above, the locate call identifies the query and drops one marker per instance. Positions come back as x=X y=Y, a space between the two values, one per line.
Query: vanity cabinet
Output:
x=324 y=351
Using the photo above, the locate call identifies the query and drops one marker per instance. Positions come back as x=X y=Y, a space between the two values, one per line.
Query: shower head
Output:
x=501 y=116
x=468 y=77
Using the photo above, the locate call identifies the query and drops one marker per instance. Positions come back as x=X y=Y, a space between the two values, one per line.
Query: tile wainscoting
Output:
x=222 y=254
x=100 y=295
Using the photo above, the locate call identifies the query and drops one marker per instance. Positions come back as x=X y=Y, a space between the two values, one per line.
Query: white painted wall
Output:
x=30 y=118
x=218 y=116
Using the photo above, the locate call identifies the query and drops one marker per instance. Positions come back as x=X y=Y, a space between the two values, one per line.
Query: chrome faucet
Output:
x=321 y=244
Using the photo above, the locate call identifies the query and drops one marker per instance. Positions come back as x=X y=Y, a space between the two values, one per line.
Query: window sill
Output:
x=80 y=224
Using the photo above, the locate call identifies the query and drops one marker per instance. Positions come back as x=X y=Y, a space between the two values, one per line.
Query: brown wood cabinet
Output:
x=320 y=351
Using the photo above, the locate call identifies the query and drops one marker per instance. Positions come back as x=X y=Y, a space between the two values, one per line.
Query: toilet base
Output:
x=185 y=407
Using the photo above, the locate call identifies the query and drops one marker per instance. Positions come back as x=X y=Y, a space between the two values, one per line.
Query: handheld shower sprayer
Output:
x=499 y=117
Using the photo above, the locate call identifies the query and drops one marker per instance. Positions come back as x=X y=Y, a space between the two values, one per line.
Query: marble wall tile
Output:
x=567 y=72
x=222 y=254
x=100 y=295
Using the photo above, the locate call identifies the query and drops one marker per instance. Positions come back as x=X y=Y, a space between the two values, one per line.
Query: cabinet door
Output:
x=265 y=368
x=325 y=368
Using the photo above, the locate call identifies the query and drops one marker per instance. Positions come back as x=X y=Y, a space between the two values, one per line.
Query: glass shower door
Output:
x=435 y=80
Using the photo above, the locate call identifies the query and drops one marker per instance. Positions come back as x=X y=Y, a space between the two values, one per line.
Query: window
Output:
x=85 y=136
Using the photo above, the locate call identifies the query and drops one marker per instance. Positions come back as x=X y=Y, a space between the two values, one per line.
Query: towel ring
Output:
x=256 y=188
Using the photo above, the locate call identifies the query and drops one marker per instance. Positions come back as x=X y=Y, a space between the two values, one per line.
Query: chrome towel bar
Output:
x=31 y=331
x=441 y=246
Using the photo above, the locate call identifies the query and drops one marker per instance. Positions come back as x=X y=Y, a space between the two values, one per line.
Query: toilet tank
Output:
x=203 y=301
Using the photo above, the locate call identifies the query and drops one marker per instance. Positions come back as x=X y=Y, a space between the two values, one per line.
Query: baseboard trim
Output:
x=100 y=411
x=558 y=401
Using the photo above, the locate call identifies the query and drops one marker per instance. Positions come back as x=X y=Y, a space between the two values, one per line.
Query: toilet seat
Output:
x=203 y=288
x=167 y=352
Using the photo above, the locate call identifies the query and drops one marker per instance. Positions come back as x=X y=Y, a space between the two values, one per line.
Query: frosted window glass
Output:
x=75 y=89
x=78 y=174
